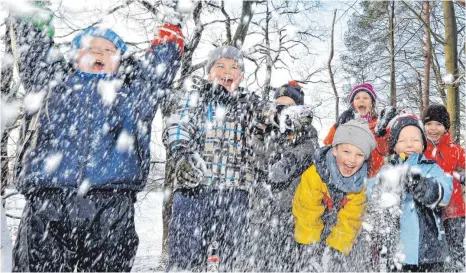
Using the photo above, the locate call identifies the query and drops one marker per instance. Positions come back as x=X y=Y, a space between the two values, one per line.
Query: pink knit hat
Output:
x=366 y=87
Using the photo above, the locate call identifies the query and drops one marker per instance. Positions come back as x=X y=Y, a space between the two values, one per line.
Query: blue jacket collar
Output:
x=86 y=75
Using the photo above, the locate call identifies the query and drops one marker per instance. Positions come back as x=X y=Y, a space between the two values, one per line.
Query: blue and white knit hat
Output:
x=105 y=33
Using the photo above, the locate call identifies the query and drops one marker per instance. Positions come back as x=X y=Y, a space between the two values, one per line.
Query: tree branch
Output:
x=435 y=35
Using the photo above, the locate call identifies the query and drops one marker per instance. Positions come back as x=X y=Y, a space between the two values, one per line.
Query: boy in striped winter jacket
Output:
x=211 y=164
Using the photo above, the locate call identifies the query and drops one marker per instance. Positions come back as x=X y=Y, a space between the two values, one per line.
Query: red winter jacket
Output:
x=376 y=160
x=450 y=157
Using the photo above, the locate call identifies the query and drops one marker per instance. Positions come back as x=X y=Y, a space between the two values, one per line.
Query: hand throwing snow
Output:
x=190 y=170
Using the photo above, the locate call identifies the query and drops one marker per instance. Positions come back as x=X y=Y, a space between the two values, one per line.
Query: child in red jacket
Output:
x=451 y=158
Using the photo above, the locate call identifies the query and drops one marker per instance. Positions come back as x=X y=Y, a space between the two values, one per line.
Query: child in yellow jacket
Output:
x=330 y=200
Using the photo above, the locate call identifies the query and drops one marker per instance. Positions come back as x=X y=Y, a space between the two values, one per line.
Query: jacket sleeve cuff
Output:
x=306 y=235
x=342 y=243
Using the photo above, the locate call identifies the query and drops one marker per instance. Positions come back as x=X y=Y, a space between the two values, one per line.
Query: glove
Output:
x=387 y=114
x=42 y=17
x=345 y=117
x=169 y=33
x=333 y=260
x=425 y=190
x=266 y=113
x=190 y=169
x=194 y=83
x=281 y=171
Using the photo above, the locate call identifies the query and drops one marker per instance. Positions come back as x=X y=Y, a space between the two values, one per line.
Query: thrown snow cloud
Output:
x=108 y=90
x=25 y=8
x=160 y=69
x=7 y=60
x=84 y=187
x=125 y=142
x=52 y=162
x=220 y=113
x=448 y=79
x=10 y=111
x=185 y=6
x=291 y=31
x=33 y=101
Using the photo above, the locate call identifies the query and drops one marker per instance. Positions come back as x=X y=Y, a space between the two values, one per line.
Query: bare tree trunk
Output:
x=427 y=59
x=242 y=30
x=391 y=29
x=438 y=77
x=451 y=65
x=6 y=84
x=329 y=63
x=186 y=62
x=268 y=63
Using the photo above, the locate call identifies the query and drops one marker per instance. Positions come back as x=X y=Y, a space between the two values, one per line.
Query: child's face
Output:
x=227 y=73
x=349 y=158
x=100 y=56
x=284 y=100
x=409 y=141
x=434 y=130
x=362 y=103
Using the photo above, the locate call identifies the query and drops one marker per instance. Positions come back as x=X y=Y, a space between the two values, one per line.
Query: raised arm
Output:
x=39 y=61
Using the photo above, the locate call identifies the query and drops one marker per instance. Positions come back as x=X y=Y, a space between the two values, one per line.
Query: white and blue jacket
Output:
x=422 y=233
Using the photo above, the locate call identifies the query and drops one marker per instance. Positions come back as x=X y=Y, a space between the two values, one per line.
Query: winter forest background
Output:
x=411 y=51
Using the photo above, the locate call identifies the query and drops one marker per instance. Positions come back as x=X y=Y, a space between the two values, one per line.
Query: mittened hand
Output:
x=427 y=192
x=424 y=190
x=190 y=169
x=42 y=17
x=194 y=83
x=345 y=117
x=387 y=114
x=169 y=33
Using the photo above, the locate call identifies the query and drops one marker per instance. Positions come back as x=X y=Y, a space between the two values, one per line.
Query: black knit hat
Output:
x=437 y=112
x=399 y=123
x=292 y=90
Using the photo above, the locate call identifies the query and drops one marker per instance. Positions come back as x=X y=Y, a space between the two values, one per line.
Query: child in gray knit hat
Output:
x=357 y=133
x=330 y=200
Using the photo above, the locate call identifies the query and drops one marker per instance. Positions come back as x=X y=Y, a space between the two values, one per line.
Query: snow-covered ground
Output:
x=148 y=226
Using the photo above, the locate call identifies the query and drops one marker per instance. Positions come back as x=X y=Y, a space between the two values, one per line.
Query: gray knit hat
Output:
x=228 y=52
x=355 y=132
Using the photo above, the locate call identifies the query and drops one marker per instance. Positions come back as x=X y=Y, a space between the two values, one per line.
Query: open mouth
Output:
x=98 y=65
x=348 y=169
x=408 y=153
x=227 y=80
x=362 y=108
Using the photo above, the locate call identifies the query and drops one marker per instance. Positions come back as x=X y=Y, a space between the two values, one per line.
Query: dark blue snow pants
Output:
x=201 y=216
x=454 y=231
x=61 y=231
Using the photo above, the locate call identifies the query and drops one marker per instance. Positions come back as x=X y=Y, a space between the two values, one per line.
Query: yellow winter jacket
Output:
x=310 y=201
